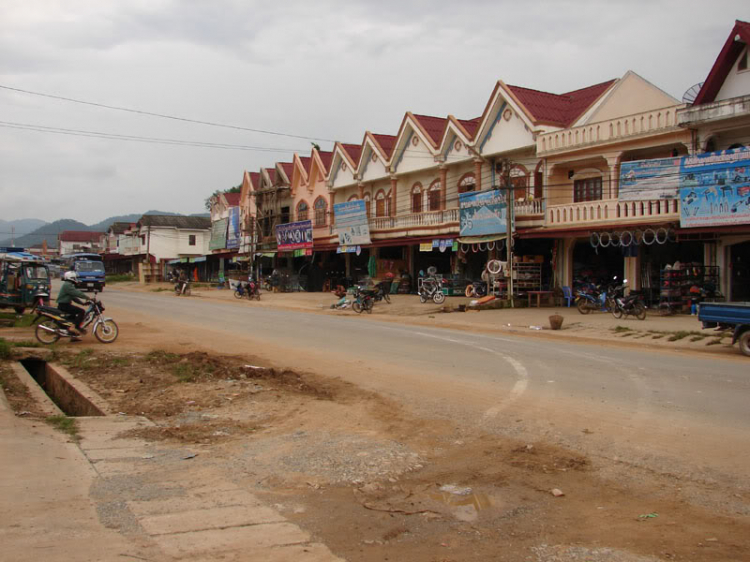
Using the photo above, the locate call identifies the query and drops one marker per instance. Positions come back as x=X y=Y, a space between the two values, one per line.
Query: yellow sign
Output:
x=426 y=247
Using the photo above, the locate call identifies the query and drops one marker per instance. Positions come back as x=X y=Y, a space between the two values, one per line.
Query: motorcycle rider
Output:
x=69 y=294
x=183 y=281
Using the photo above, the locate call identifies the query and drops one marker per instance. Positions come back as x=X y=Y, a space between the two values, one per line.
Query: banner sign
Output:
x=425 y=247
x=650 y=179
x=715 y=188
x=348 y=250
x=294 y=235
x=218 y=235
x=443 y=244
x=483 y=212
x=351 y=222
x=233 y=234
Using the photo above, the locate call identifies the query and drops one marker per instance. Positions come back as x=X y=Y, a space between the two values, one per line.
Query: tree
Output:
x=235 y=189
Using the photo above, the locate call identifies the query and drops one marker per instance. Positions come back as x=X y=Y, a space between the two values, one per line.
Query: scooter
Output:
x=431 y=289
x=632 y=305
x=182 y=288
x=57 y=324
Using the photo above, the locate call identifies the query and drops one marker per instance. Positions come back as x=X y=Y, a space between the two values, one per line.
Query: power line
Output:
x=161 y=115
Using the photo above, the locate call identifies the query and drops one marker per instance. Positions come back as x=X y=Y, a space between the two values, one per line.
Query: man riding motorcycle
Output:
x=69 y=294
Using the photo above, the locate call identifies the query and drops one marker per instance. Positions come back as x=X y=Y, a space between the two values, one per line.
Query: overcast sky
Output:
x=321 y=69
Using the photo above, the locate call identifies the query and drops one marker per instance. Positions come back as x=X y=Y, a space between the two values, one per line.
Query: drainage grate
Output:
x=67 y=397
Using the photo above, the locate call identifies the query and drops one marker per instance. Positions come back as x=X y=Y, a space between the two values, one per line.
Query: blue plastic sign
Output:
x=483 y=213
x=351 y=222
x=294 y=235
x=646 y=180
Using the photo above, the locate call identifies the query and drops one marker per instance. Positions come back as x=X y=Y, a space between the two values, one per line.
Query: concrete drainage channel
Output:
x=57 y=391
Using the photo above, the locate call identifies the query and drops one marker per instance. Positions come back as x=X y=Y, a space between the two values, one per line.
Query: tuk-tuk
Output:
x=24 y=280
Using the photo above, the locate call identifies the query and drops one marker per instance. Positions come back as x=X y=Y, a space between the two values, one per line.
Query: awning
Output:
x=481 y=239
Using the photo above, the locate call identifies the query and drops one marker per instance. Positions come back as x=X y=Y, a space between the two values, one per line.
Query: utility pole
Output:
x=509 y=212
x=13 y=236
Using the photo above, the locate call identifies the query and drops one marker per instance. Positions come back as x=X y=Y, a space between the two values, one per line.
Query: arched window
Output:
x=320 y=211
x=368 y=203
x=416 y=198
x=353 y=198
x=519 y=179
x=381 y=204
x=302 y=211
x=433 y=196
x=467 y=183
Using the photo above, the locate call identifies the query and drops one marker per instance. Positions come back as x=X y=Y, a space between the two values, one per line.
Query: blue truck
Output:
x=89 y=268
x=732 y=315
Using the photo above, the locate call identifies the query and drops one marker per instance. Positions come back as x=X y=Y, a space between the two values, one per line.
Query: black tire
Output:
x=617 y=311
x=107 y=331
x=45 y=337
x=422 y=298
x=356 y=307
x=639 y=311
x=237 y=294
x=438 y=297
x=744 y=343
x=582 y=305
x=257 y=296
x=387 y=298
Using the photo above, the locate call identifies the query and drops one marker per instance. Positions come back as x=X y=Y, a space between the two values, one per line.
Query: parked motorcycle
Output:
x=431 y=289
x=56 y=323
x=382 y=292
x=632 y=305
x=363 y=301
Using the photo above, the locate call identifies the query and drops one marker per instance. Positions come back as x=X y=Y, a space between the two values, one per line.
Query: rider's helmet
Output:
x=71 y=276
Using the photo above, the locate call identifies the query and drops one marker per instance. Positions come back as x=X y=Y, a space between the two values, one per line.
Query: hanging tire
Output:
x=582 y=306
x=637 y=236
x=438 y=297
x=615 y=239
x=494 y=266
x=594 y=239
x=107 y=331
x=469 y=292
x=44 y=336
x=357 y=307
x=626 y=238
x=661 y=239
x=601 y=239
x=639 y=311
x=649 y=239
x=671 y=235
x=744 y=343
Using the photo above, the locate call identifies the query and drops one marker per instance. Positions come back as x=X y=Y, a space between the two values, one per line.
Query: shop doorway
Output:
x=740 y=272
x=596 y=265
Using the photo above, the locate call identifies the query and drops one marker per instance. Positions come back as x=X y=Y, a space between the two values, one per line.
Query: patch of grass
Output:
x=627 y=334
x=185 y=372
x=618 y=329
x=699 y=337
x=160 y=356
x=657 y=336
x=25 y=321
x=119 y=361
x=676 y=336
x=81 y=360
x=717 y=341
x=160 y=290
x=4 y=349
x=119 y=278
x=65 y=424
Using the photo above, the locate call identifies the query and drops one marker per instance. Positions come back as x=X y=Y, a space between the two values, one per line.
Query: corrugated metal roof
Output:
x=176 y=221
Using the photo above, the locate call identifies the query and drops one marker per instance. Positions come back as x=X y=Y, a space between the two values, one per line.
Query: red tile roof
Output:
x=559 y=109
x=305 y=160
x=724 y=63
x=288 y=169
x=433 y=126
x=386 y=142
x=325 y=158
x=79 y=236
x=255 y=179
x=470 y=125
x=353 y=150
x=233 y=199
x=271 y=175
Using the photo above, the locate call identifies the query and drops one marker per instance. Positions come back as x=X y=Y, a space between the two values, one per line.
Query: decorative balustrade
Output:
x=530 y=207
x=649 y=122
x=610 y=210
x=428 y=218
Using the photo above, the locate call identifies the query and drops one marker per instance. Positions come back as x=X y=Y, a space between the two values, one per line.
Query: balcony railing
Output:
x=428 y=218
x=530 y=207
x=649 y=122
x=609 y=210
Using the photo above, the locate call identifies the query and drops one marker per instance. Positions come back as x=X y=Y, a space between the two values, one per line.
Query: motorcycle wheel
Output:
x=107 y=331
x=438 y=297
x=187 y=292
x=237 y=295
x=257 y=296
x=469 y=292
x=422 y=299
x=369 y=305
x=582 y=306
x=639 y=311
x=617 y=311
x=357 y=307
x=44 y=336
x=387 y=298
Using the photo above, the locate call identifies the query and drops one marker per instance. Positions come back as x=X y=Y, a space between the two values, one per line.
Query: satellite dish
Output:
x=692 y=93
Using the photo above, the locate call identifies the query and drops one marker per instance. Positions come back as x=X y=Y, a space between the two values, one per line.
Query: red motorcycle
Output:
x=251 y=290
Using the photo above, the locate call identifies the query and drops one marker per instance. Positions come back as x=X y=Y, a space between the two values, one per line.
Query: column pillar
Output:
x=478 y=174
x=443 y=186
x=394 y=197
x=361 y=188
x=613 y=164
x=332 y=198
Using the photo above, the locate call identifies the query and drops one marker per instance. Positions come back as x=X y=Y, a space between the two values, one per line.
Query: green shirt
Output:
x=68 y=293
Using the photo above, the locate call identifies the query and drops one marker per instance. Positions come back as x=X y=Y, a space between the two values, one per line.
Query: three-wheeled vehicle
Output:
x=24 y=280
x=732 y=315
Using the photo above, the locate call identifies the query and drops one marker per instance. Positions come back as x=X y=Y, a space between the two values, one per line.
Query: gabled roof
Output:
x=353 y=151
x=233 y=199
x=305 y=161
x=558 y=109
x=79 y=236
x=325 y=159
x=386 y=143
x=433 y=127
x=255 y=179
x=271 y=175
x=176 y=221
x=119 y=227
x=288 y=168
x=471 y=126
x=724 y=62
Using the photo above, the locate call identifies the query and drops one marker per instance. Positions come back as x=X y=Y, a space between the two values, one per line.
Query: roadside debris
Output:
x=558 y=493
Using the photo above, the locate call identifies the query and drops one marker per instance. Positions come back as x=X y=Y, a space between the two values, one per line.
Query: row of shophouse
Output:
x=617 y=178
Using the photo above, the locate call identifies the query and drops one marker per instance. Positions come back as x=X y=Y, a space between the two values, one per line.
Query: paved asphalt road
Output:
x=659 y=407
